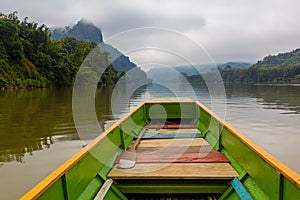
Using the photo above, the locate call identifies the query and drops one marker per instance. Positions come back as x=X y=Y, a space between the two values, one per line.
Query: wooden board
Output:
x=176 y=149
x=175 y=171
x=171 y=126
x=171 y=135
x=180 y=158
x=166 y=131
x=172 y=142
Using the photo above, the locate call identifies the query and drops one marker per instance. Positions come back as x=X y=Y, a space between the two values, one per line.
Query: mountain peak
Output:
x=85 y=20
x=83 y=30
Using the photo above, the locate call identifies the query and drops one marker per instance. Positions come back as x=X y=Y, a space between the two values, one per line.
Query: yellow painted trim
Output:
x=279 y=166
x=41 y=187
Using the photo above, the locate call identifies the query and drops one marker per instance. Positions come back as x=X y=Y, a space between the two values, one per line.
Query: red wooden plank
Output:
x=171 y=126
x=180 y=158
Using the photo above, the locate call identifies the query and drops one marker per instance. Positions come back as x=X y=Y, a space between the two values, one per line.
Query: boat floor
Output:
x=177 y=159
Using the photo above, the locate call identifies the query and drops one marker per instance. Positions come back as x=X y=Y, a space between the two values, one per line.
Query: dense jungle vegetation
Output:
x=30 y=58
x=281 y=68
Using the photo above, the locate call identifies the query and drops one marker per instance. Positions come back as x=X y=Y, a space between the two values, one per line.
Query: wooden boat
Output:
x=192 y=154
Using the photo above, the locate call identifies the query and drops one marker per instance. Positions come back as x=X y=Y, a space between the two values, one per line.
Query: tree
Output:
x=28 y=56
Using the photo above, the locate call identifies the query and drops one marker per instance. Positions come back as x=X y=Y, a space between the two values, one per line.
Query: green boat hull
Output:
x=83 y=175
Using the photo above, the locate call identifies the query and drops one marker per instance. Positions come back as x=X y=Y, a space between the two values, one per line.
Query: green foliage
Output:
x=281 y=60
x=28 y=56
x=109 y=77
x=283 y=68
x=7 y=74
x=287 y=74
x=87 y=31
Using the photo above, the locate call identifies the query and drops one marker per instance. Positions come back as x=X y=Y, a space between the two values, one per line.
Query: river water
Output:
x=37 y=132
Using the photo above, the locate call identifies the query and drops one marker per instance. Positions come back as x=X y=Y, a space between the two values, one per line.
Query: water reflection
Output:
x=28 y=121
x=280 y=97
x=40 y=123
x=32 y=120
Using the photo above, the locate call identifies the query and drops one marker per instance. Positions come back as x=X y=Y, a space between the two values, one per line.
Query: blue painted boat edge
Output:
x=240 y=189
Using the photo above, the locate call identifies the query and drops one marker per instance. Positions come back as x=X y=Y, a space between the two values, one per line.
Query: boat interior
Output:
x=173 y=161
x=168 y=149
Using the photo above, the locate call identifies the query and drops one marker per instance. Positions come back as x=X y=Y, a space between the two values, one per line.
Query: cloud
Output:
x=232 y=30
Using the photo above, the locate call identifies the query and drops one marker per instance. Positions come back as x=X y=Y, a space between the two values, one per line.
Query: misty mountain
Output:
x=84 y=30
x=195 y=70
x=121 y=62
x=87 y=31
x=235 y=65
x=164 y=74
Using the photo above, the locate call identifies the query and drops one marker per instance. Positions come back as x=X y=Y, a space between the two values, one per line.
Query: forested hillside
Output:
x=254 y=74
x=87 y=31
x=29 y=58
x=281 y=60
x=281 y=68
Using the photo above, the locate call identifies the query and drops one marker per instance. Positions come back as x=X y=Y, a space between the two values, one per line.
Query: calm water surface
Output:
x=37 y=131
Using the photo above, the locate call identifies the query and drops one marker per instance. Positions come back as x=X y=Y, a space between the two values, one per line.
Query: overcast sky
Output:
x=229 y=30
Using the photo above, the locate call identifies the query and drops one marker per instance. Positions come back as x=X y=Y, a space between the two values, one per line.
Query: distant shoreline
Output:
x=279 y=84
x=10 y=88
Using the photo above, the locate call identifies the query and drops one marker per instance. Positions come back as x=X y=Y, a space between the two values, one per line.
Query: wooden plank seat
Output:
x=171 y=126
x=194 y=153
x=168 y=130
x=174 y=158
x=189 y=163
x=175 y=146
x=176 y=149
x=175 y=171
x=180 y=158
x=172 y=142
x=170 y=135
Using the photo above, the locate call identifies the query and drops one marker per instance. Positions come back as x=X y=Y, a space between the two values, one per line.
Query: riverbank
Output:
x=21 y=88
x=278 y=84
